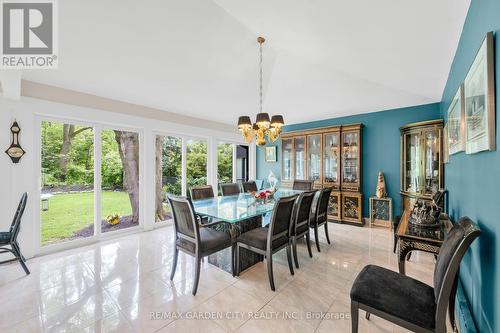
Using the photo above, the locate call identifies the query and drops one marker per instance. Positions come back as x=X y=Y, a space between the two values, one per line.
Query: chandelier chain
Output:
x=260 y=81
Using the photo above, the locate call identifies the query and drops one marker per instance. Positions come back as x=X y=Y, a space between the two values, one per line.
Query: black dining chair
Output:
x=230 y=189
x=410 y=303
x=202 y=192
x=9 y=238
x=195 y=240
x=249 y=186
x=303 y=185
x=300 y=226
x=269 y=240
x=320 y=216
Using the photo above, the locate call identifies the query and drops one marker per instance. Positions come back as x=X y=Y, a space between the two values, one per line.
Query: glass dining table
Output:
x=242 y=213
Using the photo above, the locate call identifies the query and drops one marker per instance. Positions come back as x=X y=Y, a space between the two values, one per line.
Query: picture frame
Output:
x=456 y=123
x=271 y=154
x=480 y=100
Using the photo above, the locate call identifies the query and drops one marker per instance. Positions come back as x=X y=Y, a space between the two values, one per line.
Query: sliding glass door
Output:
x=196 y=163
x=69 y=193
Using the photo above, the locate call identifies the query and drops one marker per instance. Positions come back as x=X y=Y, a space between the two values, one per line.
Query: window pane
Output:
x=168 y=174
x=119 y=180
x=196 y=159
x=67 y=200
x=224 y=163
x=241 y=163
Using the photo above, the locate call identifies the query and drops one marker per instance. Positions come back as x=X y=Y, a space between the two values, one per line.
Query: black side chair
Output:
x=269 y=240
x=202 y=192
x=300 y=225
x=320 y=216
x=303 y=185
x=249 y=186
x=230 y=189
x=10 y=238
x=410 y=303
x=395 y=225
x=193 y=239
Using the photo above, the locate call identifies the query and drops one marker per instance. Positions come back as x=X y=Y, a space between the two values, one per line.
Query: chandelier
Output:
x=264 y=129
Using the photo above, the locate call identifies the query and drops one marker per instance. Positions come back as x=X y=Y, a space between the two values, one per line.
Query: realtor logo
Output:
x=28 y=34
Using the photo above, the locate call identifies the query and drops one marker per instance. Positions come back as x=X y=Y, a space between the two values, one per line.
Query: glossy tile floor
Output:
x=122 y=286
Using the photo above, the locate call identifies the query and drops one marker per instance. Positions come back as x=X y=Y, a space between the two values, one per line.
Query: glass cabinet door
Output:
x=300 y=158
x=412 y=162
x=287 y=159
x=331 y=150
x=350 y=158
x=432 y=153
x=314 y=157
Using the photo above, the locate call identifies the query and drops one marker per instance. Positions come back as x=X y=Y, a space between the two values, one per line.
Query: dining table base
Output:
x=223 y=259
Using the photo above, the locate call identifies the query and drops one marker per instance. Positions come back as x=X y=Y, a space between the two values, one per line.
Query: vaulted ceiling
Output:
x=322 y=58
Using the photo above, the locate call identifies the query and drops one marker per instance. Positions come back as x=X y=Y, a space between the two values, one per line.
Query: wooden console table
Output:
x=413 y=238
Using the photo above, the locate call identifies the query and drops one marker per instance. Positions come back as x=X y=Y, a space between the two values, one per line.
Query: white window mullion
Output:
x=97 y=180
x=184 y=167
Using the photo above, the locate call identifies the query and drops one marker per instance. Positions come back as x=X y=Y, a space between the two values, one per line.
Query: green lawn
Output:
x=69 y=213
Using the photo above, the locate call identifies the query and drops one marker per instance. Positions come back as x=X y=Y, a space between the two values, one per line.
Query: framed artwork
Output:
x=446 y=145
x=456 y=123
x=271 y=154
x=480 y=100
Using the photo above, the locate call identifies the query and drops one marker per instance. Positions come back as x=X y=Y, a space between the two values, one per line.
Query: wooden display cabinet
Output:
x=422 y=171
x=331 y=157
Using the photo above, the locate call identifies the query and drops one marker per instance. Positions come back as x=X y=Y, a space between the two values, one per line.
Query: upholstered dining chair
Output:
x=410 y=303
x=193 y=239
x=269 y=240
x=202 y=192
x=9 y=238
x=300 y=225
x=320 y=216
x=230 y=189
x=249 y=186
x=303 y=185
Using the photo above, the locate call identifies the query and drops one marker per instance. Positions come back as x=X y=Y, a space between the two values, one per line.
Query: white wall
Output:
x=18 y=178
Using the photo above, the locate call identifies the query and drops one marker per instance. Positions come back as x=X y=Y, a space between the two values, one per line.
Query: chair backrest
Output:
x=16 y=221
x=249 y=186
x=230 y=189
x=202 y=192
x=321 y=213
x=303 y=185
x=456 y=243
x=281 y=218
x=303 y=210
x=186 y=226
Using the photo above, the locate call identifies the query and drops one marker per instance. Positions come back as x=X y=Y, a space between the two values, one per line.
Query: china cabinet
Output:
x=331 y=157
x=421 y=161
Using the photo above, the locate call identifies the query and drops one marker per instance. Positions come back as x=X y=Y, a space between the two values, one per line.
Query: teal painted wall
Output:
x=474 y=180
x=381 y=146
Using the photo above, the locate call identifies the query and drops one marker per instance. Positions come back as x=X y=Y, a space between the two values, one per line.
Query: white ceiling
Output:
x=322 y=58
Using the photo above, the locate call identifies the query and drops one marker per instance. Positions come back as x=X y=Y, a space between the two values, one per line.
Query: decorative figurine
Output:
x=381 y=191
x=15 y=151
x=273 y=181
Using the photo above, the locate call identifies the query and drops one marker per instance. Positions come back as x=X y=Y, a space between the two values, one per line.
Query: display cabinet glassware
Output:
x=299 y=148
x=287 y=160
x=331 y=161
x=314 y=158
x=421 y=161
x=351 y=159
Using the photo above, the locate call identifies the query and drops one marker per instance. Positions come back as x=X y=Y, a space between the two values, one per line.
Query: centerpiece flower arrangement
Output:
x=264 y=195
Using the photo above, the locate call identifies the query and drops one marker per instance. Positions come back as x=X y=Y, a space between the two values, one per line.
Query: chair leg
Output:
x=19 y=250
x=354 y=316
x=308 y=242
x=294 y=248
x=326 y=232
x=174 y=263
x=196 y=275
x=269 y=258
x=316 y=238
x=289 y=257
x=237 y=259
x=367 y=316
x=20 y=257
x=395 y=243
